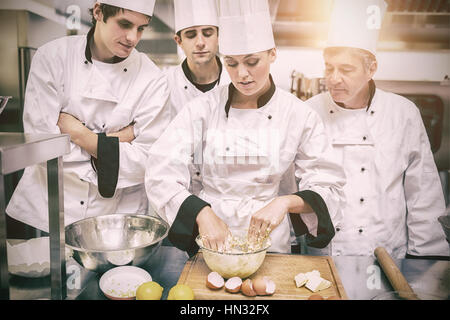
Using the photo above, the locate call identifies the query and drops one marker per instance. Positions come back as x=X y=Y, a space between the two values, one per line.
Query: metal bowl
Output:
x=230 y=264
x=104 y=242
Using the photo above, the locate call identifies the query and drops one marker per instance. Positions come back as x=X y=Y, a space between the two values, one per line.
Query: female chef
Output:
x=245 y=136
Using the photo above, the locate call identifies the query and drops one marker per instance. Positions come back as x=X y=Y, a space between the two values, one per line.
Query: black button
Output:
x=331 y=111
x=372 y=112
x=360 y=230
x=81 y=202
x=362 y=199
x=364 y=138
x=85 y=62
x=103 y=125
x=338 y=229
x=125 y=69
x=363 y=169
x=227 y=149
x=197 y=173
x=185 y=87
x=270 y=117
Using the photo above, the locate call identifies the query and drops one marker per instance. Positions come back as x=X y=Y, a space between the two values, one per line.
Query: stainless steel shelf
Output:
x=18 y=151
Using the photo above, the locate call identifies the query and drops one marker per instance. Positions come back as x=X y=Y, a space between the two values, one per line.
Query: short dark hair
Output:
x=179 y=32
x=107 y=11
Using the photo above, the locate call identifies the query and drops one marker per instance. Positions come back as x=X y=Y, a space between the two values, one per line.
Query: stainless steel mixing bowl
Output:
x=104 y=242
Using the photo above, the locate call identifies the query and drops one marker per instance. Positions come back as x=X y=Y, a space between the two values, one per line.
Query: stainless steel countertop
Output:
x=362 y=277
x=19 y=150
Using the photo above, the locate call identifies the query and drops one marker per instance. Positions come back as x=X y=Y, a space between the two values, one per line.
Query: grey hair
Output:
x=367 y=58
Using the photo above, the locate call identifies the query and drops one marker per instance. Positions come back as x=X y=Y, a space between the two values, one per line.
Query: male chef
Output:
x=393 y=191
x=197 y=31
x=111 y=100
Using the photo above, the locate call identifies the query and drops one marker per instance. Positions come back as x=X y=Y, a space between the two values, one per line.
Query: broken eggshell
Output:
x=214 y=281
x=233 y=285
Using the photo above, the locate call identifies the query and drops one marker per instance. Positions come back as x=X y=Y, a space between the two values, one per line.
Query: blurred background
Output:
x=413 y=54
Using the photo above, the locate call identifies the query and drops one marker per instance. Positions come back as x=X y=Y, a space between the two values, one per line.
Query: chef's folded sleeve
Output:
x=325 y=229
x=107 y=164
x=184 y=229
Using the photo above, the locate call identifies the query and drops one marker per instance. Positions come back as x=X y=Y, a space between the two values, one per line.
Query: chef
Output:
x=196 y=27
x=245 y=136
x=393 y=192
x=111 y=99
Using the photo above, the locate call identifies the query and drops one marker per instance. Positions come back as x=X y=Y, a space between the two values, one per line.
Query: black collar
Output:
x=188 y=72
x=262 y=100
x=372 y=89
x=87 y=50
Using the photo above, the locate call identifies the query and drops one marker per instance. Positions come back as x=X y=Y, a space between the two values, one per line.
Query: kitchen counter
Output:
x=362 y=277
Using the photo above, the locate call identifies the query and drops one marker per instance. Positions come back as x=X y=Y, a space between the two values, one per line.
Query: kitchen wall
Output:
x=19 y=28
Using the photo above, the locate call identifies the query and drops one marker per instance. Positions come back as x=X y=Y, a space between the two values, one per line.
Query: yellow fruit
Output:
x=181 y=292
x=149 y=291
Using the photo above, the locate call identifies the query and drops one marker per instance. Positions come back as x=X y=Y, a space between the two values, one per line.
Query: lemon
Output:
x=181 y=292
x=149 y=291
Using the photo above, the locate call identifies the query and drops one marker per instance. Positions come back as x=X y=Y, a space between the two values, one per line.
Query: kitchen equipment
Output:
x=234 y=264
x=121 y=283
x=281 y=268
x=394 y=275
x=17 y=151
x=3 y=102
x=445 y=223
x=29 y=258
x=104 y=242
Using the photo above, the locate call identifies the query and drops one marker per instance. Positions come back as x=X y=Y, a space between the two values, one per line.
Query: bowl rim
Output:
x=122 y=270
x=115 y=215
x=268 y=244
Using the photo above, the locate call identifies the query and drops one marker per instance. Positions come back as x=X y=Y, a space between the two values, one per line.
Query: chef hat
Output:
x=356 y=24
x=245 y=27
x=141 y=6
x=189 y=13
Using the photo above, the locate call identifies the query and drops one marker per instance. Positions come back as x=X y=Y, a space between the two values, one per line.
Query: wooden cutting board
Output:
x=281 y=268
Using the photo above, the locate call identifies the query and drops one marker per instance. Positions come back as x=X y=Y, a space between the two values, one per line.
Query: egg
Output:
x=315 y=297
x=233 y=285
x=247 y=288
x=214 y=281
x=264 y=286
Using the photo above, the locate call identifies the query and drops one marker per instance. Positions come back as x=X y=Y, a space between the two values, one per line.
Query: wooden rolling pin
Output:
x=394 y=275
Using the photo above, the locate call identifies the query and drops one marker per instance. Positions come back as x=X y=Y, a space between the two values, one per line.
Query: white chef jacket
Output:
x=106 y=98
x=243 y=159
x=393 y=192
x=182 y=90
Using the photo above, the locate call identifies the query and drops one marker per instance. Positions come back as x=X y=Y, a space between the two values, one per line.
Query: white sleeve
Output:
x=150 y=120
x=167 y=176
x=317 y=171
x=424 y=196
x=44 y=96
